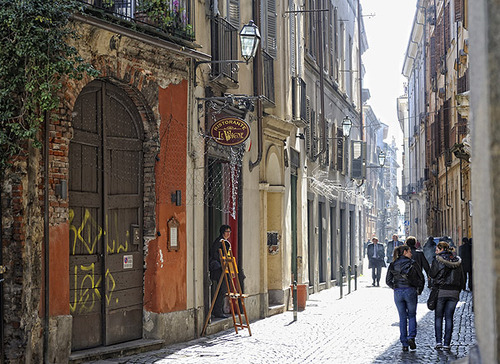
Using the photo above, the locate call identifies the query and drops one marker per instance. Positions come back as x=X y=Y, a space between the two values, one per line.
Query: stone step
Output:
x=115 y=351
x=275 y=310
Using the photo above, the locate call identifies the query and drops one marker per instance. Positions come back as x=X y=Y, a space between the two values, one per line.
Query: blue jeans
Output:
x=406 y=302
x=445 y=307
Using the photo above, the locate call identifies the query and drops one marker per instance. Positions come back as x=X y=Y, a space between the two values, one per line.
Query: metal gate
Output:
x=105 y=194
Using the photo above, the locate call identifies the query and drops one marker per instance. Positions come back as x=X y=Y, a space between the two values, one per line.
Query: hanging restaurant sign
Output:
x=230 y=131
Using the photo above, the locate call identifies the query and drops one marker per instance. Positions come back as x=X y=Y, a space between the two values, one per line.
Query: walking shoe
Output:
x=446 y=347
x=405 y=348
x=411 y=342
x=438 y=346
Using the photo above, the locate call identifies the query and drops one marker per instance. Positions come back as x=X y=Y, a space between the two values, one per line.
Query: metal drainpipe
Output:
x=46 y=240
x=435 y=113
x=1 y=274
x=457 y=140
x=194 y=161
x=319 y=14
x=257 y=86
x=361 y=127
x=446 y=72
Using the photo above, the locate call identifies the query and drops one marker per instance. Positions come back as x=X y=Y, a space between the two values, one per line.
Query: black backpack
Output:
x=416 y=278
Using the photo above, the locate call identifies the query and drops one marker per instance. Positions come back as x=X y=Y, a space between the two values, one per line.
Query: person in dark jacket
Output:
x=447 y=274
x=376 y=256
x=405 y=293
x=391 y=244
x=465 y=252
x=417 y=255
x=215 y=267
x=429 y=249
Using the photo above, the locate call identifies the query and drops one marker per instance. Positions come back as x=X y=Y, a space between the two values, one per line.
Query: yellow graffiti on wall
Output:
x=87 y=291
x=88 y=225
x=83 y=234
x=87 y=282
x=116 y=242
x=110 y=279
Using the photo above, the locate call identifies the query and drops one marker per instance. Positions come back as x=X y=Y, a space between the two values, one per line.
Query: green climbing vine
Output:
x=35 y=57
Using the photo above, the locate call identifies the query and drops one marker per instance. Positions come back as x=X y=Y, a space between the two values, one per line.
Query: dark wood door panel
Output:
x=87 y=331
x=106 y=291
x=122 y=325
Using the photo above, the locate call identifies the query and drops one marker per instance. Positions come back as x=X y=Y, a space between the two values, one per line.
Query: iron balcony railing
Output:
x=268 y=75
x=224 y=47
x=169 y=16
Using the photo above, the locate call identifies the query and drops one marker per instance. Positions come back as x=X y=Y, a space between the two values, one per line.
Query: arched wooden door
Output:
x=105 y=194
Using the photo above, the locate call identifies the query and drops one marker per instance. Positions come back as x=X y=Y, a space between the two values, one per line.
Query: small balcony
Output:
x=168 y=17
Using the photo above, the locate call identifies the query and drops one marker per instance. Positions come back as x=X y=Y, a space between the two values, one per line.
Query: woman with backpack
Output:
x=447 y=274
x=405 y=277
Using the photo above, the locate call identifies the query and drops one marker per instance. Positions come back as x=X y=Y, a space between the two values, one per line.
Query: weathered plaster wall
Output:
x=485 y=93
x=165 y=276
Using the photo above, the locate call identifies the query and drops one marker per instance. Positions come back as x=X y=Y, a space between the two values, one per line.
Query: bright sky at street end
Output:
x=388 y=34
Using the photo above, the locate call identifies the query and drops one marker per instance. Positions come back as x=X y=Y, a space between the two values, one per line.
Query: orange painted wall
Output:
x=59 y=270
x=165 y=276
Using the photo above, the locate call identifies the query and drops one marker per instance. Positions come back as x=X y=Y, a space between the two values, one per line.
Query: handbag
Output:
x=433 y=297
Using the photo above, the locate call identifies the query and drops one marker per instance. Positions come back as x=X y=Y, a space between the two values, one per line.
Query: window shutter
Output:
x=340 y=150
x=358 y=159
x=303 y=100
x=439 y=130
x=233 y=13
x=308 y=127
x=271 y=28
x=447 y=28
x=336 y=43
x=446 y=124
x=459 y=10
x=314 y=137
x=333 y=147
x=433 y=56
x=331 y=54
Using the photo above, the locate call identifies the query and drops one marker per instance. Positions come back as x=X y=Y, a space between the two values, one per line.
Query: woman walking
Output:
x=407 y=281
x=446 y=274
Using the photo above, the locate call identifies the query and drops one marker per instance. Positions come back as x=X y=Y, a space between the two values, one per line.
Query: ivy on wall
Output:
x=35 y=58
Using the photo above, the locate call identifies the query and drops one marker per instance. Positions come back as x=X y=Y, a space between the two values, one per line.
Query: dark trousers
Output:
x=219 y=301
x=376 y=273
x=445 y=308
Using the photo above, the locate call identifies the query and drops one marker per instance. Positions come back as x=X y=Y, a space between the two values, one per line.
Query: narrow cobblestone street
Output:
x=360 y=328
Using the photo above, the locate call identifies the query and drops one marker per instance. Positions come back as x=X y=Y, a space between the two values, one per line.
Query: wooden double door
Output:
x=106 y=199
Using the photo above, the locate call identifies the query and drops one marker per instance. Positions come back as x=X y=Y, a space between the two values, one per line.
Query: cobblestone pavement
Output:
x=360 y=328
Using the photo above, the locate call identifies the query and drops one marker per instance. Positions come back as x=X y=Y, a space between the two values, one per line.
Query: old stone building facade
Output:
x=436 y=177
x=106 y=230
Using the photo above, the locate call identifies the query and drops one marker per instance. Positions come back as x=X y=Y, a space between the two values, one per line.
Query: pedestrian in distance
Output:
x=446 y=274
x=376 y=260
x=417 y=255
x=405 y=277
x=429 y=249
x=215 y=267
x=393 y=244
x=465 y=253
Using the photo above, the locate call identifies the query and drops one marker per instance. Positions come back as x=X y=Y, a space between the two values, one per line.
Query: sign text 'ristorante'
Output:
x=230 y=131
